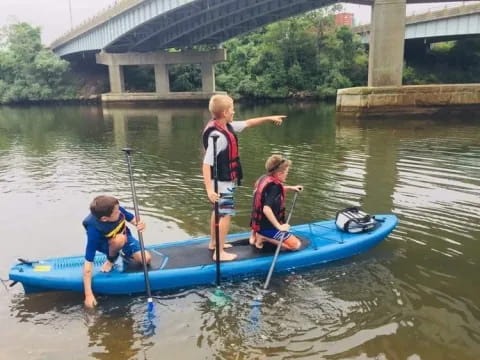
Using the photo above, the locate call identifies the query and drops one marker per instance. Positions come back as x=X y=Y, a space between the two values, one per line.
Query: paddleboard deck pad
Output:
x=189 y=263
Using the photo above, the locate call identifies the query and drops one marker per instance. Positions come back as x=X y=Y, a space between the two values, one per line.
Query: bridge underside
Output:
x=209 y=22
x=136 y=27
x=150 y=25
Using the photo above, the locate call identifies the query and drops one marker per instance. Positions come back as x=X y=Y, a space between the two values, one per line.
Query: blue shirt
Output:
x=96 y=239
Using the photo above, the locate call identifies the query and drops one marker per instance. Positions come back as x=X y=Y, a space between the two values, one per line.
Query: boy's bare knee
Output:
x=292 y=243
x=118 y=241
x=138 y=257
x=148 y=257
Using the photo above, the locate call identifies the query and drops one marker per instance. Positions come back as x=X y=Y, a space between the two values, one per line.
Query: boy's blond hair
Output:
x=218 y=104
x=277 y=163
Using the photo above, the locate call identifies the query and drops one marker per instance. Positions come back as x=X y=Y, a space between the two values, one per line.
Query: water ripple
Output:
x=417 y=287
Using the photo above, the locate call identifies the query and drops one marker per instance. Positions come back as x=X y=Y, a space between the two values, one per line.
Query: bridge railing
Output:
x=105 y=14
x=444 y=12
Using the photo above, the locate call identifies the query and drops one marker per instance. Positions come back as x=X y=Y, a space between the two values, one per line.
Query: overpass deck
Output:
x=442 y=24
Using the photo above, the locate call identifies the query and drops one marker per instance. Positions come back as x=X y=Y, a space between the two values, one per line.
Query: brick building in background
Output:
x=344 y=19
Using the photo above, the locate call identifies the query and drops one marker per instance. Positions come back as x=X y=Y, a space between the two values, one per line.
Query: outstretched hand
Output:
x=278 y=119
x=296 y=188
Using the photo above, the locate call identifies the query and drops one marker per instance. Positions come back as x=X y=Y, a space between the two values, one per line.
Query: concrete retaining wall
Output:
x=406 y=99
x=155 y=97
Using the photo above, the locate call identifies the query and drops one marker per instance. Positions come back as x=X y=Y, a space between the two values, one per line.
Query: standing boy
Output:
x=229 y=169
x=108 y=233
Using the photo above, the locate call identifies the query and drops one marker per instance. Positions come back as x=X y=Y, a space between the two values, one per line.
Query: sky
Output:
x=55 y=18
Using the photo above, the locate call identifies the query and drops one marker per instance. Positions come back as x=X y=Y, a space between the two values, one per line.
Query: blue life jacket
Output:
x=107 y=229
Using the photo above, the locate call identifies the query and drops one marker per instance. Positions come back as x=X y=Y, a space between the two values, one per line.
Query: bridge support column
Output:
x=160 y=61
x=387 y=37
x=117 y=81
x=208 y=77
x=162 y=81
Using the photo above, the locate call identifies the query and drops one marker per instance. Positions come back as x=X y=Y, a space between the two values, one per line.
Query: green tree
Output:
x=185 y=77
x=29 y=71
x=301 y=56
x=445 y=63
x=305 y=55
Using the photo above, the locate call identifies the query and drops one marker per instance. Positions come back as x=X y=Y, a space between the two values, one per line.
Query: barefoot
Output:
x=251 y=239
x=225 y=246
x=224 y=256
x=259 y=242
x=107 y=266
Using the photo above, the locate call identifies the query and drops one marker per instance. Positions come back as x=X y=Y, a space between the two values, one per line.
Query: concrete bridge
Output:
x=385 y=92
x=150 y=25
x=436 y=26
x=135 y=32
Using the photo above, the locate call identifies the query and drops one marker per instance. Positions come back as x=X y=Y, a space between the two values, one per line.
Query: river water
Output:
x=414 y=296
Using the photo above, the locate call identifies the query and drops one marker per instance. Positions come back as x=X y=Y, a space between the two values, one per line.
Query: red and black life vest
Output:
x=259 y=199
x=228 y=160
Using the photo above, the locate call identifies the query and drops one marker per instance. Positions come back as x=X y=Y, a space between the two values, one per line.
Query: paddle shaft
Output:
x=137 y=217
x=217 y=216
x=277 y=250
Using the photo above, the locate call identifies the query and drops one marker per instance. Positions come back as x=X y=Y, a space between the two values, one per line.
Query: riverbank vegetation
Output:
x=308 y=56
x=29 y=71
x=452 y=62
x=301 y=57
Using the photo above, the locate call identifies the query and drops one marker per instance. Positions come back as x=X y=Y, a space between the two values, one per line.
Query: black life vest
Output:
x=228 y=160
x=106 y=228
x=259 y=198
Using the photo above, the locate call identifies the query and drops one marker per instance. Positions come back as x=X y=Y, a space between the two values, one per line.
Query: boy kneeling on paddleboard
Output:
x=108 y=233
x=268 y=213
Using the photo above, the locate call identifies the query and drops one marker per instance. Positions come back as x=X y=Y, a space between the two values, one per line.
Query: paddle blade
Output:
x=219 y=298
x=255 y=314
x=150 y=321
x=150 y=307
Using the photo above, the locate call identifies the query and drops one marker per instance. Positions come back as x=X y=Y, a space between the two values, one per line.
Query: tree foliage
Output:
x=29 y=71
x=301 y=56
x=452 y=62
x=185 y=77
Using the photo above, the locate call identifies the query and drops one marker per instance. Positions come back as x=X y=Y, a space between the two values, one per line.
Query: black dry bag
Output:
x=354 y=220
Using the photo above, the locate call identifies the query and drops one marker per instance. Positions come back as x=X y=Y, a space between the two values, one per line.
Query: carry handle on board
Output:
x=26 y=261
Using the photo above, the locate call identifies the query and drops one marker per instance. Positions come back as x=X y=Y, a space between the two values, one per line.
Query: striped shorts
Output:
x=226 y=204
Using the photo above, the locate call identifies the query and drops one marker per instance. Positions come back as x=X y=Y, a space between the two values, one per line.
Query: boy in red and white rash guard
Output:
x=228 y=163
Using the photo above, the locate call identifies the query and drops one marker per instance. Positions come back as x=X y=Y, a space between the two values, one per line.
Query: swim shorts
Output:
x=226 y=204
x=131 y=246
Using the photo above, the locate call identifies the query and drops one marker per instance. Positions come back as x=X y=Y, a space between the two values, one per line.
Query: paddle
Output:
x=257 y=301
x=219 y=298
x=216 y=205
x=150 y=305
x=277 y=251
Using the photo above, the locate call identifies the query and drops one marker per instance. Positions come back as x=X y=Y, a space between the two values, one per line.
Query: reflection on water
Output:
x=415 y=296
